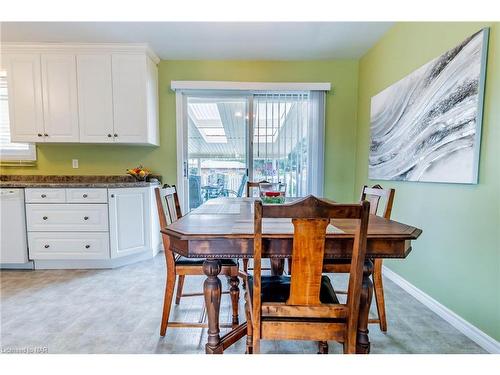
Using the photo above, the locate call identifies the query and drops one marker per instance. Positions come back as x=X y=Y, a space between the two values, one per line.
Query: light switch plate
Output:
x=75 y=163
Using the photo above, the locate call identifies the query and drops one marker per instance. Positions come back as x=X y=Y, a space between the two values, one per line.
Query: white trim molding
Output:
x=10 y=47
x=485 y=341
x=250 y=86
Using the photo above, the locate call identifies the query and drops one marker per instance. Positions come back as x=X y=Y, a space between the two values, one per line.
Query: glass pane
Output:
x=280 y=140
x=217 y=144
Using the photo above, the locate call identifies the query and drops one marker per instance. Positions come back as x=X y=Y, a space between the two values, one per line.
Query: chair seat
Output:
x=277 y=289
x=183 y=261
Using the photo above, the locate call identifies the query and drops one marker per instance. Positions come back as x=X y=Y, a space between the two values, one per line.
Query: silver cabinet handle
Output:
x=85 y=195
x=116 y=135
x=46 y=135
x=40 y=134
x=109 y=135
x=87 y=246
x=45 y=218
x=43 y=196
x=112 y=195
x=47 y=246
x=85 y=218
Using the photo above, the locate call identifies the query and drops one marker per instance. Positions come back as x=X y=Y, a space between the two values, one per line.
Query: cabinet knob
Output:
x=46 y=135
x=85 y=195
x=85 y=218
x=87 y=246
x=112 y=195
x=40 y=134
x=45 y=218
x=43 y=196
x=116 y=135
x=109 y=135
x=47 y=246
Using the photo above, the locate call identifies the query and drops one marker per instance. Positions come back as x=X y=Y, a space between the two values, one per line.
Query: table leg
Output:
x=277 y=266
x=363 y=342
x=234 y=291
x=212 y=292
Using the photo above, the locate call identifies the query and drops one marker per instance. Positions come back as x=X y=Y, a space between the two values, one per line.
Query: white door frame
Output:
x=181 y=135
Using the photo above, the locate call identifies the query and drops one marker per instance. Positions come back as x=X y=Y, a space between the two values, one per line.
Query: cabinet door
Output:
x=95 y=98
x=24 y=85
x=129 y=98
x=129 y=220
x=59 y=90
x=152 y=103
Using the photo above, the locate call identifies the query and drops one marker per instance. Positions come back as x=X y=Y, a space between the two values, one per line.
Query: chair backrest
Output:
x=374 y=195
x=167 y=203
x=195 y=199
x=169 y=210
x=310 y=217
x=244 y=180
x=251 y=185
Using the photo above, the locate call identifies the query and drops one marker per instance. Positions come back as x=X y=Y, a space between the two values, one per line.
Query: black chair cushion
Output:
x=277 y=289
x=183 y=261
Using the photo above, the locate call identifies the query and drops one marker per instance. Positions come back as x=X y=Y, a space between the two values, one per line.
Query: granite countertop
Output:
x=35 y=181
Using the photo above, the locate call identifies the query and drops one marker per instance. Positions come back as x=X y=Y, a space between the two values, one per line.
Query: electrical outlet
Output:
x=75 y=163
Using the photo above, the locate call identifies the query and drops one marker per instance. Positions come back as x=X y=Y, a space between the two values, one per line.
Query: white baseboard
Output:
x=17 y=266
x=488 y=343
x=92 y=263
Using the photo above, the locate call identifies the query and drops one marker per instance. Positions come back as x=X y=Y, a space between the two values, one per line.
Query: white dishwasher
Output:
x=13 y=243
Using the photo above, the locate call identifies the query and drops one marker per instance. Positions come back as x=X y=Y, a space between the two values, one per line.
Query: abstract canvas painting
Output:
x=427 y=126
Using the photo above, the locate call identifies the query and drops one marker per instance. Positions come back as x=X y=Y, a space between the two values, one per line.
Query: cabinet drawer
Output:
x=67 y=217
x=86 y=195
x=45 y=195
x=68 y=245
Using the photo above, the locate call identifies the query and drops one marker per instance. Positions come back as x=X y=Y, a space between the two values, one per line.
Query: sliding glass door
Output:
x=217 y=144
x=280 y=134
x=227 y=139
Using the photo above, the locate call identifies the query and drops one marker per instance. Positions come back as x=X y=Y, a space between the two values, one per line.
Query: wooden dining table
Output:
x=223 y=228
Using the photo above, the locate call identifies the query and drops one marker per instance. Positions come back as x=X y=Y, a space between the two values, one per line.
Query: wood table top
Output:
x=233 y=218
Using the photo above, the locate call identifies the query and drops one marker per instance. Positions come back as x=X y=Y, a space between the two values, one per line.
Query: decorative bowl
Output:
x=140 y=173
x=272 y=193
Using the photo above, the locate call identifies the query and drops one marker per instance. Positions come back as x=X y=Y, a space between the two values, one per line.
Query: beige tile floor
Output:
x=118 y=311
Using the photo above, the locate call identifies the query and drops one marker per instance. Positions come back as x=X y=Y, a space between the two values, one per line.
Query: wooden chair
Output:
x=373 y=195
x=250 y=186
x=169 y=210
x=304 y=306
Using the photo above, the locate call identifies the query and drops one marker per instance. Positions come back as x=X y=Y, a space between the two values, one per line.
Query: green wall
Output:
x=457 y=258
x=340 y=122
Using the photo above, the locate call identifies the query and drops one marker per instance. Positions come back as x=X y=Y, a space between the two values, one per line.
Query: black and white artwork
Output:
x=427 y=126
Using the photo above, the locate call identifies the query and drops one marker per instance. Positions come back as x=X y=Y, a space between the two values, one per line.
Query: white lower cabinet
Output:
x=72 y=230
x=68 y=245
x=130 y=221
x=45 y=195
x=67 y=217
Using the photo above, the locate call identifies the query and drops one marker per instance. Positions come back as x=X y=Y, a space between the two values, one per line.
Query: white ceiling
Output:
x=217 y=40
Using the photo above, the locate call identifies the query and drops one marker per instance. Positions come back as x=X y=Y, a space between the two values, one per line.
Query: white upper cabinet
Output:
x=152 y=102
x=60 y=105
x=24 y=86
x=95 y=98
x=129 y=98
x=85 y=93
